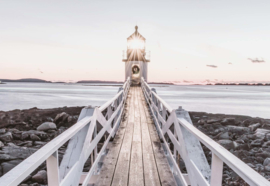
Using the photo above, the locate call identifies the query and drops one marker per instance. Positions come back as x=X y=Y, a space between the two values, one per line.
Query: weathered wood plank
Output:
x=136 y=162
x=151 y=176
x=122 y=168
x=165 y=174
x=106 y=173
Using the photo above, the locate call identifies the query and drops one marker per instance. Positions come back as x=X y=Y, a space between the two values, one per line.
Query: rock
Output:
x=256 y=143
x=267 y=168
x=246 y=122
x=3 y=131
x=253 y=127
x=266 y=162
x=238 y=130
x=17 y=152
x=211 y=121
x=225 y=135
x=11 y=145
x=40 y=134
x=263 y=154
x=34 y=137
x=261 y=133
x=13 y=130
x=7 y=137
x=47 y=126
x=61 y=117
x=251 y=165
x=24 y=135
x=201 y=122
x=227 y=144
x=26 y=144
x=40 y=177
x=7 y=166
x=1 y=144
x=228 y=121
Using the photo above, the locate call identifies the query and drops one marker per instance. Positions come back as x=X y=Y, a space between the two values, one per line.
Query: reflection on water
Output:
x=242 y=100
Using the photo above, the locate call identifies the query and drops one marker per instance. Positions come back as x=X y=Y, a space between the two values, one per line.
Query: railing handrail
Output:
x=26 y=167
x=242 y=169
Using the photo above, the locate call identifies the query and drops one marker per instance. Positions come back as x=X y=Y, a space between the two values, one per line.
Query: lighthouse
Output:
x=136 y=58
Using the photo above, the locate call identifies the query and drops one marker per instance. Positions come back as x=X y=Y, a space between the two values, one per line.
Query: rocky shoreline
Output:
x=22 y=132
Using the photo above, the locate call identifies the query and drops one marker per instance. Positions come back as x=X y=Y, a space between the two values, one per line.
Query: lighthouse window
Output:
x=135 y=69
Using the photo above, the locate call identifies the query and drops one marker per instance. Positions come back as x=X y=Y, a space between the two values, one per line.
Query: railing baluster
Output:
x=216 y=170
x=53 y=170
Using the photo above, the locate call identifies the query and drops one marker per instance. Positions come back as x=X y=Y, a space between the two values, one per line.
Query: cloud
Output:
x=212 y=66
x=256 y=60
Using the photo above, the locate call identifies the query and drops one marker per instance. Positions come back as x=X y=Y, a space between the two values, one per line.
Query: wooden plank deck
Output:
x=136 y=156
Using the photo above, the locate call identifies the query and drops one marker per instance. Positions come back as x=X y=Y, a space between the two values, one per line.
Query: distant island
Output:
x=98 y=81
x=239 y=84
x=28 y=80
x=34 y=80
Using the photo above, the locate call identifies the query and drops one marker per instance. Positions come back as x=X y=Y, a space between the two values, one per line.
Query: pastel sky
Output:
x=83 y=40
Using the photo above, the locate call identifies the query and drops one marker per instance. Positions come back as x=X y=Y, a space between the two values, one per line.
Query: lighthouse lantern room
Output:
x=136 y=58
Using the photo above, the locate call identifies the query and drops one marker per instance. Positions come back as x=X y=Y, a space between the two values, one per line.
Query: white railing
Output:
x=83 y=140
x=175 y=128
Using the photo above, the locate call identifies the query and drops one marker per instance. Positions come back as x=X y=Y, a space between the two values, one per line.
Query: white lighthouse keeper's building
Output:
x=136 y=58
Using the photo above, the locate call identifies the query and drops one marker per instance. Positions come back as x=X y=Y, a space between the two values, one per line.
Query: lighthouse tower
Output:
x=136 y=58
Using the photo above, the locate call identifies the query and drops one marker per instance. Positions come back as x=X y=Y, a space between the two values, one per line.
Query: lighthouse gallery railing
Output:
x=165 y=117
x=108 y=116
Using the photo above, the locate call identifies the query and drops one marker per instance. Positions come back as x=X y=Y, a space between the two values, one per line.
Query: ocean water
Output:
x=240 y=100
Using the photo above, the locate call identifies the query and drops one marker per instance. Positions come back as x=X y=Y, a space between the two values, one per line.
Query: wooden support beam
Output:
x=53 y=170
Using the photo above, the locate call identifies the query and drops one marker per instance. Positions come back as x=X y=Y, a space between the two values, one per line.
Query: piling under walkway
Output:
x=135 y=156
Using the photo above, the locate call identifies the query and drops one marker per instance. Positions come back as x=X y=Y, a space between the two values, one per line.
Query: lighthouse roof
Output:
x=136 y=34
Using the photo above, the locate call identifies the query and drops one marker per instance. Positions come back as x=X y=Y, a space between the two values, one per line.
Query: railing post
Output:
x=53 y=170
x=216 y=170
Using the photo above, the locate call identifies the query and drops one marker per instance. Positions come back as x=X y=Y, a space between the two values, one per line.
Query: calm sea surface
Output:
x=241 y=100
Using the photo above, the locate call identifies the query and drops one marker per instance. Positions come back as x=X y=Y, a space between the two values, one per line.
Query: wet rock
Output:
x=7 y=137
x=47 y=126
x=227 y=144
x=40 y=177
x=253 y=127
x=238 y=130
x=34 y=137
x=228 y=121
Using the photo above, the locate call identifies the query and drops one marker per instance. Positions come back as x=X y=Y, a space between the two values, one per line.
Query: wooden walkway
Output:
x=135 y=156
